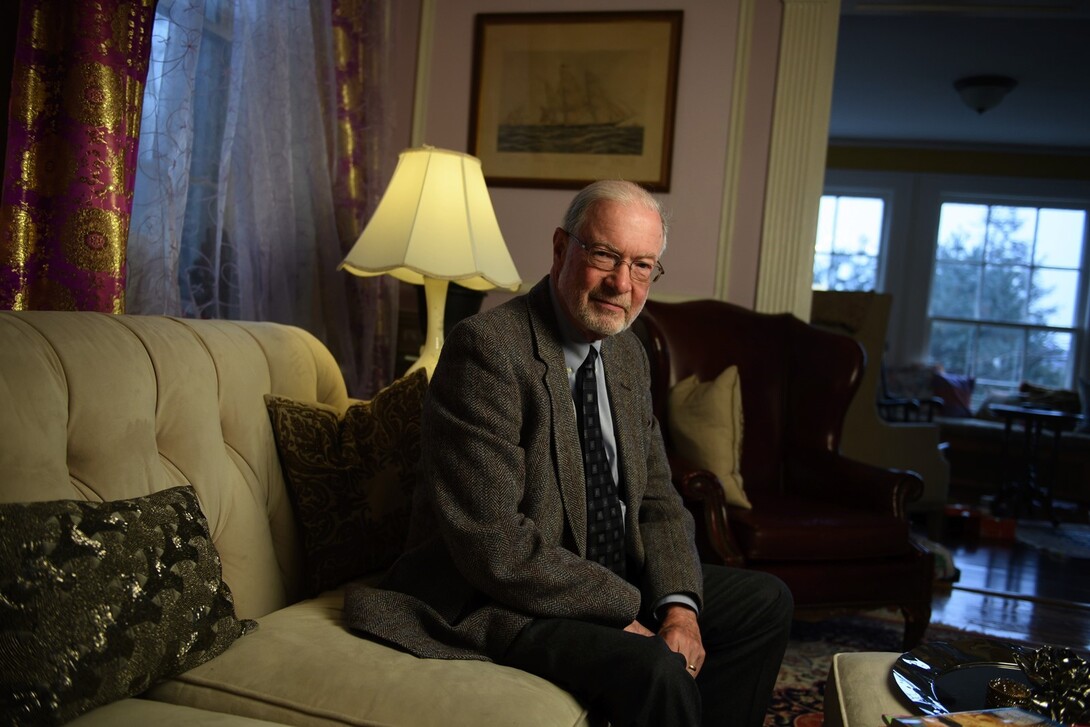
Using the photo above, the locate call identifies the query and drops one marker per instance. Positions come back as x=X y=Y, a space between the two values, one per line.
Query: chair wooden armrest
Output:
x=704 y=489
x=879 y=489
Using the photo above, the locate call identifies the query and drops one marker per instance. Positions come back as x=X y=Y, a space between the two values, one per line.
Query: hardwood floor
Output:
x=1014 y=591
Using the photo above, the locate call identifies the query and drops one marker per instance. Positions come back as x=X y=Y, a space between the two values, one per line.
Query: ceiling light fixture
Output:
x=982 y=93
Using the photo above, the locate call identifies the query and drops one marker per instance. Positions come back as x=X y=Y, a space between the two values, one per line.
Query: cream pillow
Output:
x=706 y=428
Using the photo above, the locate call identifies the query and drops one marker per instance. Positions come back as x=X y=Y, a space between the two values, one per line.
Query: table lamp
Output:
x=435 y=224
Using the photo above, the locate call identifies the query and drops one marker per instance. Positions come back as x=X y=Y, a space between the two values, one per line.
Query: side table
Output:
x=1030 y=489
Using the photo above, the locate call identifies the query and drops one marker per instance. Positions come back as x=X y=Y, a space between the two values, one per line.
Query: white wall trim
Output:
x=796 y=169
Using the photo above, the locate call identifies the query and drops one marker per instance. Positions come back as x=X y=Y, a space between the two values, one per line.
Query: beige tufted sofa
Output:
x=102 y=407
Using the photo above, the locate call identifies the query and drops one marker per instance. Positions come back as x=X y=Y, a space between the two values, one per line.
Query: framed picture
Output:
x=562 y=99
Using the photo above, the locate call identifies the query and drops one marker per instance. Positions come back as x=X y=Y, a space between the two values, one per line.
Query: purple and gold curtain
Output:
x=359 y=177
x=77 y=85
x=276 y=200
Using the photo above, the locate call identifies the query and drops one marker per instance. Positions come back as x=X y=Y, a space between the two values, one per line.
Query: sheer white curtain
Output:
x=233 y=213
x=163 y=160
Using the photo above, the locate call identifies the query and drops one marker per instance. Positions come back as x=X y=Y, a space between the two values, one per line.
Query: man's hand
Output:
x=681 y=632
x=637 y=628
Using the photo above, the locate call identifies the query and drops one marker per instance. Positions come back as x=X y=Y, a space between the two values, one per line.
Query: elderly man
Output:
x=547 y=533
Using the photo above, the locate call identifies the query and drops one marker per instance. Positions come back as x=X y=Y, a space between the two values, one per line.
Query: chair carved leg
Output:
x=917 y=619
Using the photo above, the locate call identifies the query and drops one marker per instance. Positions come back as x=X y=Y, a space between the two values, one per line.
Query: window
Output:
x=988 y=276
x=1005 y=293
x=849 y=242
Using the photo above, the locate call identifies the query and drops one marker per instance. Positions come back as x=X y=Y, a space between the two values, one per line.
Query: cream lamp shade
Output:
x=435 y=224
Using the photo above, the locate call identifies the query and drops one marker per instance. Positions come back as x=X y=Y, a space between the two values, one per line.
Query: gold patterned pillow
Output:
x=351 y=478
x=101 y=600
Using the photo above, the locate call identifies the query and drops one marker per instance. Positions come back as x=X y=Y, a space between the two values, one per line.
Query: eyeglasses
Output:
x=602 y=258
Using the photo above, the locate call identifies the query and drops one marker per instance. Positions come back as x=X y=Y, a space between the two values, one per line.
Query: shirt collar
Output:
x=575 y=350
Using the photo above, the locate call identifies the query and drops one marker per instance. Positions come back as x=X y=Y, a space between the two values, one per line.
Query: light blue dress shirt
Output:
x=575 y=353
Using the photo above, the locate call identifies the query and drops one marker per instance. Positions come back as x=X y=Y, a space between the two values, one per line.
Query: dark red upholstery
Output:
x=833 y=529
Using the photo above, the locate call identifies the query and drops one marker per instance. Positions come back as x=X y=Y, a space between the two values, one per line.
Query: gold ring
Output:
x=692 y=667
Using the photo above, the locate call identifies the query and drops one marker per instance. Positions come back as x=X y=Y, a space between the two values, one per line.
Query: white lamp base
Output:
x=435 y=294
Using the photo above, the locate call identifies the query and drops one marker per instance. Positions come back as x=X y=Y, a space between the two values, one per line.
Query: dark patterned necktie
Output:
x=605 y=526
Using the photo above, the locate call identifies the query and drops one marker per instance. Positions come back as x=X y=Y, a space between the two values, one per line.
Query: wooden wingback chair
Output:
x=834 y=529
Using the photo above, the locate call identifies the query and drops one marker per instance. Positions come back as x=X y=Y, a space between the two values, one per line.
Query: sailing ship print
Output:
x=573 y=115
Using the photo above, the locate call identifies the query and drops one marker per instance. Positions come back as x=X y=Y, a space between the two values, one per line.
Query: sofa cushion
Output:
x=110 y=407
x=138 y=711
x=100 y=600
x=705 y=420
x=303 y=667
x=956 y=392
x=351 y=478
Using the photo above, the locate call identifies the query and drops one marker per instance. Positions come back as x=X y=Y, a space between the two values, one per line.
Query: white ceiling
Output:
x=897 y=61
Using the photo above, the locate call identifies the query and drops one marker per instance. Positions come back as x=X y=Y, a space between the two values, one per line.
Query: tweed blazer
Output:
x=499 y=519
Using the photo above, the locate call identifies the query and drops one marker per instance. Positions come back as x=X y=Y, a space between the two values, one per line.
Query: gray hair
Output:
x=611 y=190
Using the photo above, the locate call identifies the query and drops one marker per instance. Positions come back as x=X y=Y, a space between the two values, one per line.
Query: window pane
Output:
x=961 y=231
x=954 y=290
x=1059 y=238
x=826 y=225
x=859 y=225
x=951 y=345
x=853 y=272
x=1010 y=234
x=1053 y=298
x=999 y=354
x=822 y=262
x=1004 y=293
x=848 y=242
x=1047 y=358
x=1024 y=272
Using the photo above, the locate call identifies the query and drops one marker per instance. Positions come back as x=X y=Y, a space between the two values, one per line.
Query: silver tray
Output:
x=953 y=676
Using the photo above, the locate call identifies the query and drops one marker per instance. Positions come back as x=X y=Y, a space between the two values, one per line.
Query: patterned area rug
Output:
x=800 y=688
x=1067 y=540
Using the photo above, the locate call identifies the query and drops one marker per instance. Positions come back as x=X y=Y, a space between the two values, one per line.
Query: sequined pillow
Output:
x=101 y=600
x=351 y=478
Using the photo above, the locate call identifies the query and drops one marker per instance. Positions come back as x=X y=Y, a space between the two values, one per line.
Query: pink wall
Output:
x=404 y=41
x=527 y=217
x=750 y=195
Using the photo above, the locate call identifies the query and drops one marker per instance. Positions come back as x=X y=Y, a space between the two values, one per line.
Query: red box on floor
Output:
x=962 y=520
x=997 y=528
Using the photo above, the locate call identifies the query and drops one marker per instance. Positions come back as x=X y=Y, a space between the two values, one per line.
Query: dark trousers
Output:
x=635 y=680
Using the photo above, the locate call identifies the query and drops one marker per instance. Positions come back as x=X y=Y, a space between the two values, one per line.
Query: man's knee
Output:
x=777 y=595
x=671 y=693
x=663 y=666
x=746 y=599
x=773 y=606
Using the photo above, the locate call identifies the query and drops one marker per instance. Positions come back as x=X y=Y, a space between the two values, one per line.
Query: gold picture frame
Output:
x=562 y=99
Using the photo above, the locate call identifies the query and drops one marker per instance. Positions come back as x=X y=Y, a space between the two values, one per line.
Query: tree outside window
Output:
x=1004 y=294
x=849 y=242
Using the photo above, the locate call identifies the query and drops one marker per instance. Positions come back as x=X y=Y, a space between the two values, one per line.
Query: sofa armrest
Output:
x=704 y=489
x=879 y=489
